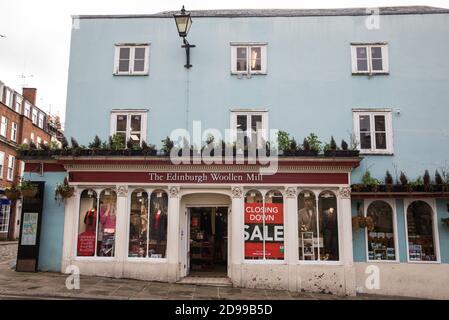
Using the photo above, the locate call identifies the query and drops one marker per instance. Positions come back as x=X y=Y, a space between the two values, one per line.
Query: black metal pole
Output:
x=187 y=46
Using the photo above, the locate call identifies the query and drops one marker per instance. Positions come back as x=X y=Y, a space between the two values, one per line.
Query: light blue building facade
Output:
x=380 y=81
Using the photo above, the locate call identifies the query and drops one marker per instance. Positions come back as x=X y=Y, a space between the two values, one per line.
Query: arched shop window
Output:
x=264 y=225
x=328 y=226
x=421 y=244
x=87 y=224
x=381 y=244
x=307 y=226
x=138 y=224
x=107 y=223
x=158 y=218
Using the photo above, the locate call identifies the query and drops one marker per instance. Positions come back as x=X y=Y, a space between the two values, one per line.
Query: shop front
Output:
x=149 y=219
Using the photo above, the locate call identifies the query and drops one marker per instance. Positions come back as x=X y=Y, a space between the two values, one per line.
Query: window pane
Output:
x=361 y=52
x=138 y=225
x=379 y=123
x=135 y=137
x=87 y=223
x=241 y=123
x=256 y=59
x=121 y=122
x=381 y=239
x=420 y=232
x=274 y=225
x=139 y=53
x=241 y=53
x=309 y=242
x=241 y=59
x=139 y=65
x=328 y=227
x=135 y=123
x=123 y=65
x=362 y=65
x=124 y=53
x=381 y=140
x=376 y=52
x=106 y=225
x=365 y=140
x=364 y=122
x=377 y=64
x=254 y=246
x=157 y=245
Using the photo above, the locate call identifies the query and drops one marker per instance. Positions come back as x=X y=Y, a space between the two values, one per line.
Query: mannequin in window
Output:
x=329 y=227
x=108 y=218
x=90 y=219
x=307 y=217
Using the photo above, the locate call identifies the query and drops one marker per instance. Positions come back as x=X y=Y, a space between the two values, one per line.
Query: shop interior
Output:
x=208 y=241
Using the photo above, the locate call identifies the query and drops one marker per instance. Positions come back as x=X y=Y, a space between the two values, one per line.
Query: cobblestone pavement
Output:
x=50 y=285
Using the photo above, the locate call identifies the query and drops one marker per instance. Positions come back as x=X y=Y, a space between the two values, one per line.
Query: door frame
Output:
x=186 y=244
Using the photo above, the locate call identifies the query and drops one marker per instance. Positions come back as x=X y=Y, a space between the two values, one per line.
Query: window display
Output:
x=106 y=225
x=381 y=244
x=318 y=229
x=138 y=224
x=87 y=223
x=264 y=225
x=420 y=232
x=157 y=241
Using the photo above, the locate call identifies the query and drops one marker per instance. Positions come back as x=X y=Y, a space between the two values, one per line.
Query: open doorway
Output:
x=208 y=241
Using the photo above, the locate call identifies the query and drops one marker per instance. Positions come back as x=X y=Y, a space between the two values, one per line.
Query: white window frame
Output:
x=4 y=226
x=10 y=172
x=18 y=108
x=8 y=97
x=40 y=120
x=132 y=48
x=248 y=46
x=387 y=113
x=2 y=163
x=4 y=126
x=27 y=109
x=436 y=237
x=368 y=46
x=248 y=113
x=14 y=131
x=392 y=204
x=34 y=115
x=129 y=113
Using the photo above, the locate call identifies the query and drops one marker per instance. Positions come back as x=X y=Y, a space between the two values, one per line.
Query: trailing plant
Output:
x=344 y=145
x=315 y=144
x=283 y=140
x=63 y=190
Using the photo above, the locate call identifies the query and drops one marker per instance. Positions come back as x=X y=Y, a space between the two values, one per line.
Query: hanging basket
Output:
x=65 y=193
x=29 y=193
x=12 y=194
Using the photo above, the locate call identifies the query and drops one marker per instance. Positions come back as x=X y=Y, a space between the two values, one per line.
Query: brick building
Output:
x=20 y=122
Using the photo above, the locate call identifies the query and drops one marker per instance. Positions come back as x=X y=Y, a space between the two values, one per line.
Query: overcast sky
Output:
x=35 y=51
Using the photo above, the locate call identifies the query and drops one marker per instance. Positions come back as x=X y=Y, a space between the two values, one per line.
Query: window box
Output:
x=300 y=153
x=341 y=153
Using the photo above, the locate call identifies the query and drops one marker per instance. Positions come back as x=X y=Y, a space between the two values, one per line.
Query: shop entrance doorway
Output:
x=208 y=241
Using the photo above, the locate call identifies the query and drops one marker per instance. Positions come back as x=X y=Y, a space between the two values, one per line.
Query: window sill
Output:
x=370 y=74
x=424 y=262
x=243 y=74
x=320 y=262
x=383 y=261
x=130 y=74
x=376 y=153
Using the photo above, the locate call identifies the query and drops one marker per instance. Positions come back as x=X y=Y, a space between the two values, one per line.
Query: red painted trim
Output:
x=239 y=177
x=48 y=167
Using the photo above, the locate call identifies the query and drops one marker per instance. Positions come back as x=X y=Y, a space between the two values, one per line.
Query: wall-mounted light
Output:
x=183 y=23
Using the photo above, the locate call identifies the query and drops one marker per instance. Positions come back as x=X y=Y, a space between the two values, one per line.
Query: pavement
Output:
x=51 y=285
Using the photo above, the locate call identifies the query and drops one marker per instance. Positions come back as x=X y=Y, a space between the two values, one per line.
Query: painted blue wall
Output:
x=443 y=230
x=52 y=227
x=308 y=88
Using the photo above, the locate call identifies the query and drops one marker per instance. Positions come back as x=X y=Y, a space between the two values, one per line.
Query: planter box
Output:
x=341 y=153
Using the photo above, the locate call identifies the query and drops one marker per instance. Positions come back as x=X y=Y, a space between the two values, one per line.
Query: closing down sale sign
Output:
x=264 y=231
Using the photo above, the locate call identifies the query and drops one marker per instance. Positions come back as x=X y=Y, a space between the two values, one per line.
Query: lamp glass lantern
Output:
x=183 y=22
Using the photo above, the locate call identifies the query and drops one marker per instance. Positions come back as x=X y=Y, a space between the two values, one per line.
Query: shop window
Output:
x=131 y=59
x=381 y=240
x=131 y=126
x=421 y=242
x=369 y=58
x=318 y=229
x=249 y=58
x=157 y=240
x=87 y=223
x=373 y=130
x=4 y=217
x=138 y=224
x=264 y=226
x=107 y=223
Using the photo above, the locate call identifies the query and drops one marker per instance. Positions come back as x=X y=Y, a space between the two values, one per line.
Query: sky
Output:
x=35 y=49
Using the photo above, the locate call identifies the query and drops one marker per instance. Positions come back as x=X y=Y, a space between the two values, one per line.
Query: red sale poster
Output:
x=86 y=244
x=264 y=228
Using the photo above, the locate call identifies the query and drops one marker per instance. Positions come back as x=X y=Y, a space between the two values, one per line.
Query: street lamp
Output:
x=183 y=23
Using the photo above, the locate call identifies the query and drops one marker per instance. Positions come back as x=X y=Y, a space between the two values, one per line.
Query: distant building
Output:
x=20 y=122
